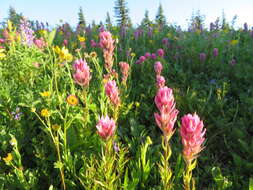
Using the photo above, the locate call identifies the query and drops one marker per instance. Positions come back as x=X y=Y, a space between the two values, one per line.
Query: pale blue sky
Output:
x=176 y=11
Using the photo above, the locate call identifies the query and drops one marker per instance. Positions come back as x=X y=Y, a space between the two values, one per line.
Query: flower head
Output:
x=215 y=52
x=192 y=132
x=72 y=100
x=160 y=81
x=202 y=57
x=106 y=127
x=124 y=67
x=45 y=113
x=8 y=158
x=45 y=94
x=107 y=44
x=147 y=55
x=82 y=74
x=112 y=92
x=160 y=53
x=158 y=67
x=164 y=100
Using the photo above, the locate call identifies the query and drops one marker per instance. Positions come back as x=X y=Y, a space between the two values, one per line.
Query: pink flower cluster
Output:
x=112 y=92
x=160 y=80
x=147 y=55
x=107 y=44
x=158 y=67
x=164 y=101
x=192 y=132
x=40 y=43
x=1 y=42
x=82 y=72
x=124 y=68
x=106 y=127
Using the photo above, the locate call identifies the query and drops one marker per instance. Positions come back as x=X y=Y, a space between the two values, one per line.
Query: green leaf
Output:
x=51 y=37
x=250 y=183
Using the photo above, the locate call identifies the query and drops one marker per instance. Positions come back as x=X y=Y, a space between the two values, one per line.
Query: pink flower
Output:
x=93 y=43
x=106 y=127
x=160 y=81
x=153 y=56
x=215 y=52
x=40 y=43
x=164 y=100
x=106 y=43
x=65 y=42
x=160 y=53
x=124 y=67
x=147 y=55
x=2 y=40
x=112 y=92
x=158 y=67
x=142 y=58
x=82 y=73
x=192 y=133
x=202 y=57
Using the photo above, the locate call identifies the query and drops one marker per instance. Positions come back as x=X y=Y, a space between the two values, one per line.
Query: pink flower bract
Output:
x=192 y=132
x=105 y=127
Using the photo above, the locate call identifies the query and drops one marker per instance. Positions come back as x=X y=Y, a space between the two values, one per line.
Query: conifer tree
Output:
x=160 y=17
x=108 y=21
x=121 y=13
x=81 y=18
x=14 y=17
x=146 y=21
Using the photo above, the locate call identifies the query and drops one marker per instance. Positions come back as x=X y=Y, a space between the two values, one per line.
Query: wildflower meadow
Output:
x=106 y=106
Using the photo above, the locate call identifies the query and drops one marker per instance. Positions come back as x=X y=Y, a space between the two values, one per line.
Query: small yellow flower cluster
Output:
x=45 y=113
x=81 y=38
x=8 y=158
x=63 y=53
x=234 y=42
x=2 y=54
x=45 y=94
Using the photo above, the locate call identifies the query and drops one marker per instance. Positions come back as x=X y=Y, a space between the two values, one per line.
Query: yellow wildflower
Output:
x=81 y=38
x=72 y=100
x=56 y=127
x=65 y=55
x=132 y=54
x=8 y=158
x=234 y=42
x=2 y=54
x=44 y=113
x=93 y=54
x=45 y=94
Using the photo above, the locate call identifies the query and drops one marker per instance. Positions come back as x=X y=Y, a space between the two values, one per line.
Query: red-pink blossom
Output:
x=107 y=44
x=158 y=67
x=192 y=132
x=106 y=127
x=164 y=100
x=160 y=53
x=124 y=67
x=112 y=92
x=160 y=81
x=82 y=72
